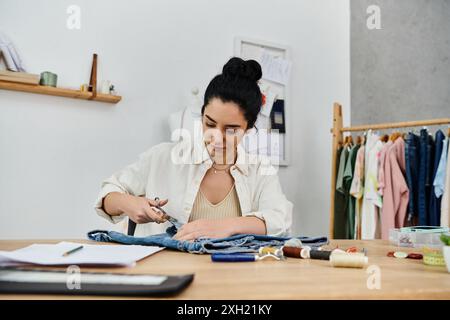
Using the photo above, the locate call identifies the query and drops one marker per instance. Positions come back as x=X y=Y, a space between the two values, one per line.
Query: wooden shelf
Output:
x=61 y=92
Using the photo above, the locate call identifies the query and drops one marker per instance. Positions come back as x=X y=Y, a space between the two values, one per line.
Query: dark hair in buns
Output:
x=238 y=84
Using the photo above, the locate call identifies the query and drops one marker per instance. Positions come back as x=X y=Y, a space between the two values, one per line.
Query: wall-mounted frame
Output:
x=247 y=48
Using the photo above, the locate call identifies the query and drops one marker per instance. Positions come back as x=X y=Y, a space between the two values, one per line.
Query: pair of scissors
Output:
x=173 y=221
x=166 y=216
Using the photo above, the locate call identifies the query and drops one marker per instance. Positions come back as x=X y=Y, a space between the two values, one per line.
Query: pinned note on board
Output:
x=266 y=109
x=275 y=68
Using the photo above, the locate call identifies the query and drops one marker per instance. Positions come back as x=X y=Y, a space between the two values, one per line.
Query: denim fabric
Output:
x=412 y=155
x=233 y=244
x=435 y=202
x=425 y=182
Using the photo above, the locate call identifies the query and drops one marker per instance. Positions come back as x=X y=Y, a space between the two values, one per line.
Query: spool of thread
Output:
x=271 y=250
x=320 y=254
x=275 y=251
x=304 y=254
x=415 y=256
x=348 y=260
x=292 y=252
x=48 y=79
x=293 y=243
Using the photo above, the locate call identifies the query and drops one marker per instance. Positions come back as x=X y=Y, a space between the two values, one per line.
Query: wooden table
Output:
x=290 y=279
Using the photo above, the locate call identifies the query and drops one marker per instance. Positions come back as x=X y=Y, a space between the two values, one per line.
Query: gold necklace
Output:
x=217 y=169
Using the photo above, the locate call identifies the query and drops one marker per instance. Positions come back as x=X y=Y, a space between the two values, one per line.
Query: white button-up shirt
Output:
x=175 y=171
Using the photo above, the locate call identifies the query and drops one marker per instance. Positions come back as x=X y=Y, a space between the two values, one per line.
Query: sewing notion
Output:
x=349 y=258
x=241 y=257
x=417 y=237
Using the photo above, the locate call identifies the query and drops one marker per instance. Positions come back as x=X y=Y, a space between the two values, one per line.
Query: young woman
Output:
x=210 y=186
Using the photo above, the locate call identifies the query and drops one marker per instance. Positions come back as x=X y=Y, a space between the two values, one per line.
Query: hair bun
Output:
x=238 y=68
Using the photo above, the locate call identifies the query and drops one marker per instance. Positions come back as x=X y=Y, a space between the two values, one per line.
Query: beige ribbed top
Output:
x=229 y=207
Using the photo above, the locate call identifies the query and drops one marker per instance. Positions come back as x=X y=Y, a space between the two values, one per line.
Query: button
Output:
x=400 y=254
x=416 y=256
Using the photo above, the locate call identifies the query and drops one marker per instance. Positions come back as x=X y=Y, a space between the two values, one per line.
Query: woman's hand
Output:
x=138 y=209
x=142 y=210
x=221 y=228
x=205 y=228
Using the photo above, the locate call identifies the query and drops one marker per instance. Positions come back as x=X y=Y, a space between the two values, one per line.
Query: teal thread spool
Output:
x=48 y=79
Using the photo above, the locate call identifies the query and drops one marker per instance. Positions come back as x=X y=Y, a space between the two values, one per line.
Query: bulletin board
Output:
x=272 y=136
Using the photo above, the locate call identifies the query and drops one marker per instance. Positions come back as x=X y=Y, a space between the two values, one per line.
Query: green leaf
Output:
x=445 y=238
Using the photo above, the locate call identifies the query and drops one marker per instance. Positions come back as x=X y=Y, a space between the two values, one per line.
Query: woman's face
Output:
x=224 y=125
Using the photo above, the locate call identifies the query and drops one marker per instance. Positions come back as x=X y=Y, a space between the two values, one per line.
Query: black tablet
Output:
x=32 y=281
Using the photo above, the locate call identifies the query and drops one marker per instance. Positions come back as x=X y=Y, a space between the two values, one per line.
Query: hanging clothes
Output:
x=381 y=186
x=424 y=185
x=439 y=179
x=445 y=204
x=381 y=166
x=396 y=192
x=435 y=202
x=371 y=200
x=357 y=189
x=412 y=157
x=339 y=197
x=348 y=177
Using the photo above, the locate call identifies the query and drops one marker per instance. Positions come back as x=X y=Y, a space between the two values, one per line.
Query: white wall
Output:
x=56 y=151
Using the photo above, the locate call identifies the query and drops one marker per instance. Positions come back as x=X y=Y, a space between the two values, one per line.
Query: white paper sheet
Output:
x=262 y=122
x=275 y=68
x=251 y=52
x=270 y=99
x=90 y=254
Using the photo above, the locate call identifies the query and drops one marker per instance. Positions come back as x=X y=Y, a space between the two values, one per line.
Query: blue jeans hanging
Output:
x=233 y=244
x=425 y=175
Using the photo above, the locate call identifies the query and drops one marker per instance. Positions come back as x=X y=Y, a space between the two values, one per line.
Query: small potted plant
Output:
x=445 y=237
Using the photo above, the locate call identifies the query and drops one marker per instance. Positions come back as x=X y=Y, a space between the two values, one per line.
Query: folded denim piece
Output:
x=233 y=244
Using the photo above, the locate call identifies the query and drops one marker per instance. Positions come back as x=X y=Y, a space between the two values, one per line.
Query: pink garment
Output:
x=381 y=181
x=396 y=192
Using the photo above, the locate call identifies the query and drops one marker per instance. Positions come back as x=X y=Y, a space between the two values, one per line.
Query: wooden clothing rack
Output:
x=338 y=138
